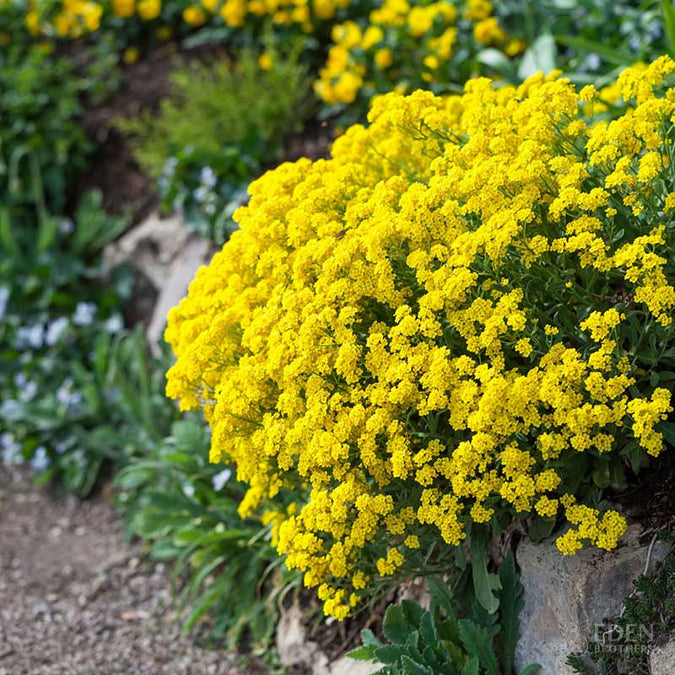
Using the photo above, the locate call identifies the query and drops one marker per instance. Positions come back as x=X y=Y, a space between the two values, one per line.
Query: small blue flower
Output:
x=63 y=392
x=170 y=166
x=20 y=380
x=62 y=447
x=593 y=62
x=4 y=298
x=201 y=194
x=66 y=226
x=55 y=330
x=655 y=29
x=30 y=336
x=28 y=391
x=11 y=410
x=84 y=313
x=11 y=450
x=40 y=460
x=208 y=177
x=72 y=400
x=219 y=480
x=114 y=324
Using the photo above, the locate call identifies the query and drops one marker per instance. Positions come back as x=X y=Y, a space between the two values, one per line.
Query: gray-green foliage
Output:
x=186 y=509
x=456 y=636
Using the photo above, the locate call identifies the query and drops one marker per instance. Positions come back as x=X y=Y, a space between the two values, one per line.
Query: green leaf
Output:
x=190 y=535
x=510 y=605
x=540 y=528
x=441 y=595
x=205 y=603
x=430 y=658
x=428 y=631
x=412 y=612
x=540 y=56
x=617 y=475
x=362 y=654
x=585 y=46
x=485 y=583
x=532 y=669
x=471 y=667
x=669 y=20
x=7 y=238
x=395 y=627
x=478 y=643
x=164 y=549
x=601 y=472
x=411 y=667
x=388 y=654
x=369 y=638
x=413 y=639
x=133 y=477
x=668 y=430
x=493 y=58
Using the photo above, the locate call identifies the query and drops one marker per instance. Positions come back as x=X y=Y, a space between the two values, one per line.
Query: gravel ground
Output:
x=76 y=598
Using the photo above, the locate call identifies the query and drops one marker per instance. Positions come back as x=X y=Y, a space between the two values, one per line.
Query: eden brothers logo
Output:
x=626 y=639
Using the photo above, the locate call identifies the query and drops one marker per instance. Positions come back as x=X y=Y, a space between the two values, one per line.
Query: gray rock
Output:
x=293 y=646
x=195 y=253
x=295 y=650
x=166 y=254
x=347 y=666
x=566 y=597
x=662 y=659
x=150 y=247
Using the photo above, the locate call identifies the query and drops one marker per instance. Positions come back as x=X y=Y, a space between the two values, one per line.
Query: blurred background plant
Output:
x=39 y=118
x=72 y=387
x=224 y=567
x=223 y=122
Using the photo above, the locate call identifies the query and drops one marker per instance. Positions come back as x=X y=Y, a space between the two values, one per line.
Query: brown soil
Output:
x=652 y=501
x=77 y=598
x=314 y=141
x=125 y=186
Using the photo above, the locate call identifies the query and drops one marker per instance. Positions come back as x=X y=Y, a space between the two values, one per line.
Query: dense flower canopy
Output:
x=431 y=328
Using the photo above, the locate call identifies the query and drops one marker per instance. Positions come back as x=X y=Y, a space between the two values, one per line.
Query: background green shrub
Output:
x=186 y=509
x=223 y=123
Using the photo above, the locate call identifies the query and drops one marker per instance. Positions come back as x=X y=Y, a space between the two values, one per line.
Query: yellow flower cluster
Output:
x=417 y=334
x=145 y=9
x=73 y=19
x=603 y=531
x=403 y=41
x=283 y=12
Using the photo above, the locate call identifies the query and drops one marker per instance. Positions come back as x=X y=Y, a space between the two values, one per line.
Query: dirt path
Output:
x=77 y=599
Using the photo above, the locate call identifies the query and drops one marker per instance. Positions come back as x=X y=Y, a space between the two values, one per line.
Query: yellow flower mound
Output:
x=422 y=331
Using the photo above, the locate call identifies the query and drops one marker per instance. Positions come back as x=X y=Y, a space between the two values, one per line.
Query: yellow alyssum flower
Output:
x=124 y=8
x=149 y=9
x=266 y=61
x=194 y=15
x=353 y=342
